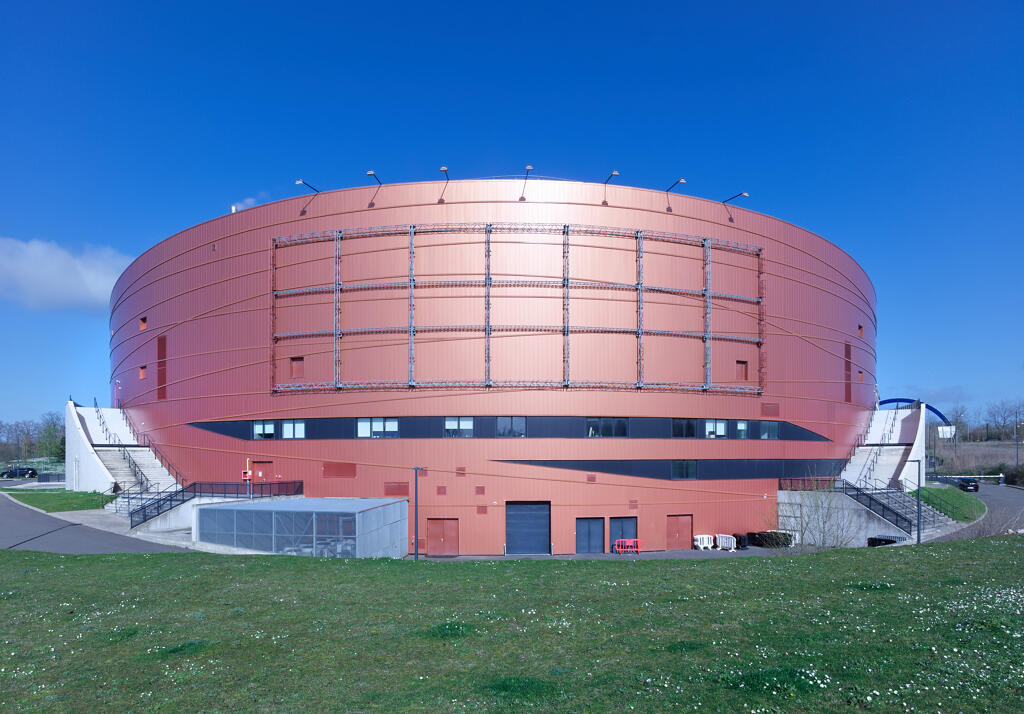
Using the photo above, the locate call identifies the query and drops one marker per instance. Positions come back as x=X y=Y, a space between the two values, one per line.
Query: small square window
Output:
x=860 y=375
x=479 y=490
x=741 y=429
x=860 y=330
x=769 y=430
x=142 y=323
x=741 y=370
x=442 y=490
x=263 y=430
x=142 y=372
x=297 y=367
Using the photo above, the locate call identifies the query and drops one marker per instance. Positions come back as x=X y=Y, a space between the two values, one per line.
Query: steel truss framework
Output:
x=567 y=284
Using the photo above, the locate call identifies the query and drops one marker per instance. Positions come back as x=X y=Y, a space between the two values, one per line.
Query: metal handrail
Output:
x=945 y=506
x=875 y=505
x=114 y=439
x=179 y=496
x=868 y=469
x=144 y=440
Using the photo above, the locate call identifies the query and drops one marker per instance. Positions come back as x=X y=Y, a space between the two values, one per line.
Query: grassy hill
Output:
x=935 y=627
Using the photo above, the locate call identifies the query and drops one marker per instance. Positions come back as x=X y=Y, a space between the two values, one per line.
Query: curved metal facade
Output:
x=482 y=299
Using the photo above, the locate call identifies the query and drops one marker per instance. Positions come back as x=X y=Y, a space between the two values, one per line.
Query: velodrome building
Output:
x=538 y=366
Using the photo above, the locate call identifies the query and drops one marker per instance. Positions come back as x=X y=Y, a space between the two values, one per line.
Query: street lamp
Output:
x=610 y=176
x=445 y=170
x=373 y=198
x=1016 y=442
x=529 y=168
x=300 y=182
x=744 y=194
x=416 y=511
x=667 y=190
x=918 y=462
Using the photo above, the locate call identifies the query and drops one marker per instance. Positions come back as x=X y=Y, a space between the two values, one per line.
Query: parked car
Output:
x=967 y=484
x=19 y=472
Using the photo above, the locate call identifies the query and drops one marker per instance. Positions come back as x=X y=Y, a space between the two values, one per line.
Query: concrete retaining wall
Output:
x=828 y=519
x=82 y=467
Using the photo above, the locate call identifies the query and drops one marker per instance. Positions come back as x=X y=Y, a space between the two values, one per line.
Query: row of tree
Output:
x=993 y=422
x=32 y=438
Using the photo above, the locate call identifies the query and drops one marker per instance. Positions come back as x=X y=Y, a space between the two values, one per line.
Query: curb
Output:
x=25 y=505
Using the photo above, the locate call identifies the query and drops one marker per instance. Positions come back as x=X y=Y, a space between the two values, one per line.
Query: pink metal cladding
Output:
x=238 y=297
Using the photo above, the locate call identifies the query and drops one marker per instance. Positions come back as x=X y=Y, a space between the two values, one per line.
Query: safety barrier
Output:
x=704 y=542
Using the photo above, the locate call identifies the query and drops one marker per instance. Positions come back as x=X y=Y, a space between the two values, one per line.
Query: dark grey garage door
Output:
x=527 y=527
x=589 y=535
x=622 y=527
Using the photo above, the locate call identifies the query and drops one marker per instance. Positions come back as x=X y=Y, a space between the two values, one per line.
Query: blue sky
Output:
x=893 y=129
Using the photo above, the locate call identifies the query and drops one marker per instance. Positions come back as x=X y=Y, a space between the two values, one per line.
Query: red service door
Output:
x=679 y=533
x=442 y=536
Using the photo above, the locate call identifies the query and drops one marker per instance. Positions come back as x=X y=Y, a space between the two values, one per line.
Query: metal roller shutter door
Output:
x=527 y=527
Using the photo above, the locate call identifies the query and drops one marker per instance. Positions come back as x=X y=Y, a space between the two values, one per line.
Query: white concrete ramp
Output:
x=894 y=440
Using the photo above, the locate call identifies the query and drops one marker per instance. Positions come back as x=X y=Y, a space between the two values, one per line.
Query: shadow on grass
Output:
x=686 y=646
x=185 y=649
x=525 y=687
x=449 y=630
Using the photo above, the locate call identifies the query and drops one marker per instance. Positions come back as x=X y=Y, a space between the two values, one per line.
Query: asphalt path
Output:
x=23 y=528
x=1005 y=512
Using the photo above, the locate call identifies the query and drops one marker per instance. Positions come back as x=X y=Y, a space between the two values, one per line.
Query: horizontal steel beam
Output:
x=524 y=329
x=513 y=228
x=515 y=384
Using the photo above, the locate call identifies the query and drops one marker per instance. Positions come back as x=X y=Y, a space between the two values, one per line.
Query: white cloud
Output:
x=46 y=276
x=250 y=201
x=244 y=204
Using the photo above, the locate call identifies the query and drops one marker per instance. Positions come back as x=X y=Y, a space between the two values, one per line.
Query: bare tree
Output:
x=1000 y=416
x=820 y=519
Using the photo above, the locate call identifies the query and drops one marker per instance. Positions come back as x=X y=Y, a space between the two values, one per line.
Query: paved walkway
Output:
x=1005 y=512
x=25 y=528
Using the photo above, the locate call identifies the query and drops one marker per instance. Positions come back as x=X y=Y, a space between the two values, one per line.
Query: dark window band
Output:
x=530 y=427
x=702 y=469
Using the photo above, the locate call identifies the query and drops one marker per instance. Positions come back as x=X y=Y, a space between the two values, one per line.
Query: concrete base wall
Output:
x=831 y=520
x=381 y=531
x=182 y=516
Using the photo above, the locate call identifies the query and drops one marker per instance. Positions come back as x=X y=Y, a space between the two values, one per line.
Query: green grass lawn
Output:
x=959 y=505
x=58 y=499
x=935 y=627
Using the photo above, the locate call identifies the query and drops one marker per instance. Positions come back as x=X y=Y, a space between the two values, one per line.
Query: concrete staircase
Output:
x=932 y=521
x=135 y=492
x=874 y=464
